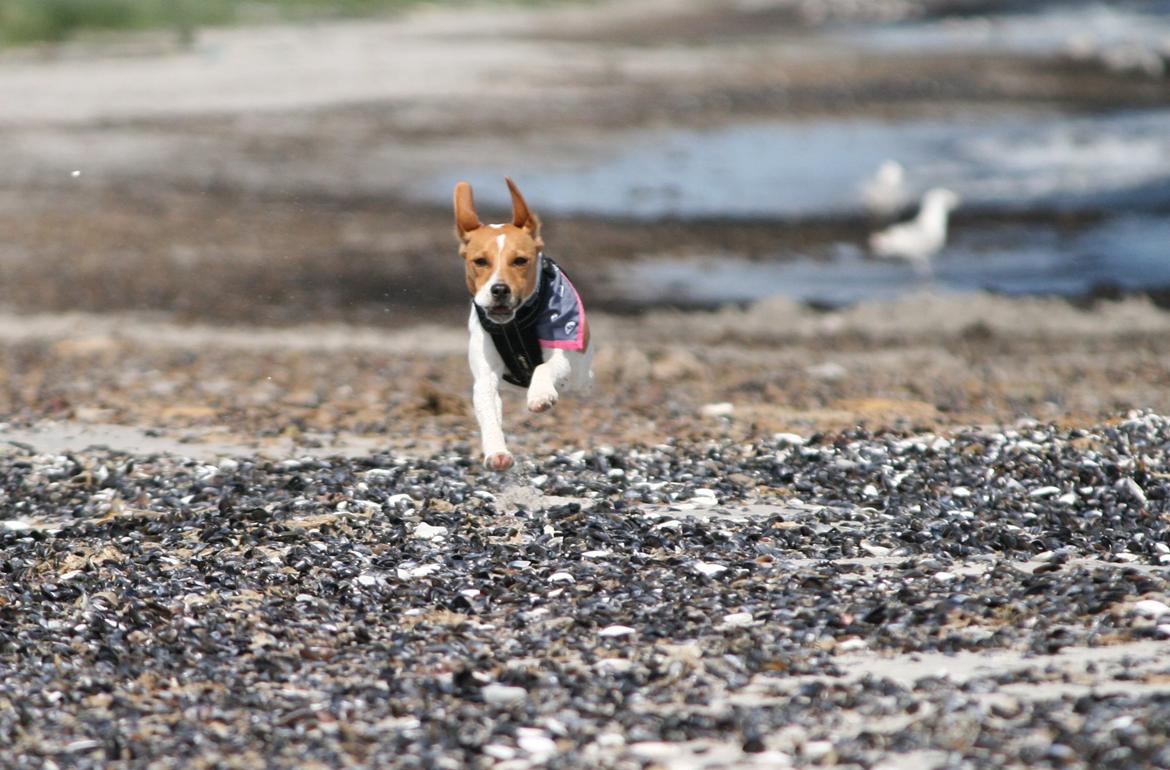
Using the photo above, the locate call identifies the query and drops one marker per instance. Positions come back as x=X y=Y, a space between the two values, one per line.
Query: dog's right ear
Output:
x=466 y=219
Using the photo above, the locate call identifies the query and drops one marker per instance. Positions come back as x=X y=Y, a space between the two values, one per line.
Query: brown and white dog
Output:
x=527 y=323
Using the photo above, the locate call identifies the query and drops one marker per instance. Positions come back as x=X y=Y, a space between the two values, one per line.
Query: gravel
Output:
x=717 y=603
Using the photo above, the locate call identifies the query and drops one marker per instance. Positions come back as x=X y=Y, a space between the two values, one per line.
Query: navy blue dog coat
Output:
x=553 y=317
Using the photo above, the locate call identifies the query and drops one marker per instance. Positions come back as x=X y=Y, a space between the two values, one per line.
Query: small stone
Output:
x=875 y=550
x=720 y=409
x=1043 y=492
x=422 y=570
x=561 y=577
x=536 y=743
x=503 y=695
x=830 y=371
x=708 y=569
x=611 y=740
x=400 y=501
x=1129 y=489
x=615 y=665
x=616 y=630
x=704 y=498
x=499 y=751
x=851 y=645
x=737 y=620
x=788 y=439
x=818 y=752
x=1151 y=608
x=425 y=531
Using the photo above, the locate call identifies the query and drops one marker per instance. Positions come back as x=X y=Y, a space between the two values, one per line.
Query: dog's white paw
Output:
x=541 y=399
x=498 y=461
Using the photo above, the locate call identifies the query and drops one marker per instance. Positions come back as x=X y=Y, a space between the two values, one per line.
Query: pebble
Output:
x=561 y=577
x=536 y=743
x=419 y=571
x=1151 y=608
x=818 y=752
x=830 y=371
x=503 y=695
x=240 y=590
x=1130 y=490
x=427 y=532
x=788 y=439
x=737 y=619
x=499 y=751
x=401 y=500
x=721 y=409
x=615 y=665
x=616 y=630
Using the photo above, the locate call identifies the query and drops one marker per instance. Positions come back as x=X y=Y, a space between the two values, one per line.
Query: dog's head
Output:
x=501 y=260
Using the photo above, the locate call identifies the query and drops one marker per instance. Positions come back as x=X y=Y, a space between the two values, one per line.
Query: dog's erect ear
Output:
x=521 y=216
x=466 y=219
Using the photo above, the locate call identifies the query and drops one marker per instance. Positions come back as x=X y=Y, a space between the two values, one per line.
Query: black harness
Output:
x=517 y=341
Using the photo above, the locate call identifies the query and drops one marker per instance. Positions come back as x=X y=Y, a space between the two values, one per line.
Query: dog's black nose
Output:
x=500 y=290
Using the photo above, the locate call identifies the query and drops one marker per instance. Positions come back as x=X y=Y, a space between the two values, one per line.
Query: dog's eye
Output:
x=480 y=262
x=520 y=261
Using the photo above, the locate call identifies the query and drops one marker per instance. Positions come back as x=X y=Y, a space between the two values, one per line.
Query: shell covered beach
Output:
x=819 y=510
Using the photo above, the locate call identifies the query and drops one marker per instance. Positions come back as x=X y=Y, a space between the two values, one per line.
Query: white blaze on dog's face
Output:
x=501 y=260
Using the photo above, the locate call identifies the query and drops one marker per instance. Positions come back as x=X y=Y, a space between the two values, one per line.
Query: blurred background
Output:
x=287 y=161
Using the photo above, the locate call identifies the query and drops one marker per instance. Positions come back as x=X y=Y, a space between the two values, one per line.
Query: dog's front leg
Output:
x=489 y=413
x=486 y=368
x=546 y=378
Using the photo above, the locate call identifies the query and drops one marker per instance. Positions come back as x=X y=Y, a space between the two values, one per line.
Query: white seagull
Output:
x=885 y=192
x=918 y=240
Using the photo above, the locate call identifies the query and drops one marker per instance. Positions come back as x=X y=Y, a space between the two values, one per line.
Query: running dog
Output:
x=527 y=324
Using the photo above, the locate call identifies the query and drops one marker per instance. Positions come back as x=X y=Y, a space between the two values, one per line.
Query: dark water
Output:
x=1129 y=252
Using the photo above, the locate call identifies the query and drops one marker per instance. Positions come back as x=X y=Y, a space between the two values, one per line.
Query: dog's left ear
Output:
x=521 y=216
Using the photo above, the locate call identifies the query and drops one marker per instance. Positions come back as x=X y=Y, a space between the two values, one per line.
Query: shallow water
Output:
x=1130 y=252
x=1060 y=28
x=781 y=169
